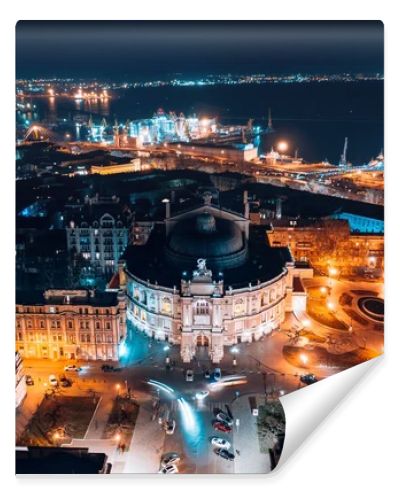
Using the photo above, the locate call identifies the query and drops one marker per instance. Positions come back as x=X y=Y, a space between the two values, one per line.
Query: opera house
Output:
x=207 y=277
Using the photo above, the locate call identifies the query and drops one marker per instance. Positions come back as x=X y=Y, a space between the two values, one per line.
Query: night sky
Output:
x=136 y=50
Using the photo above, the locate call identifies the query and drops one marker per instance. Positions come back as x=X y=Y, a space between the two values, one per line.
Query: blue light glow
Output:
x=161 y=386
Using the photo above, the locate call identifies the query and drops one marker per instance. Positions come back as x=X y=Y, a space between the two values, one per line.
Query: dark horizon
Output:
x=158 y=49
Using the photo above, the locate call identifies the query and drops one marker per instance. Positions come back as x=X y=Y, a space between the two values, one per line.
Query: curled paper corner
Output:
x=307 y=408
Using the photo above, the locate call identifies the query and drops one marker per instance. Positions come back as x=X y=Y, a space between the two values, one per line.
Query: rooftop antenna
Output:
x=343 y=158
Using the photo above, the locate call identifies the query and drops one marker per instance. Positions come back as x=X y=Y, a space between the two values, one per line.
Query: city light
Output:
x=303 y=358
x=306 y=322
x=161 y=386
x=282 y=146
x=332 y=271
x=330 y=305
x=188 y=416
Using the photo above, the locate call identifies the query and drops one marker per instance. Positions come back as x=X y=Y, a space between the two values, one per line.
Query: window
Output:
x=202 y=307
x=19 y=336
x=108 y=325
x=71 y=339
x=70 y=324
x=97 y=325
x=239 y=306
x=41 y=323
x=29 y=323
x=109 y=339
x=166 y=306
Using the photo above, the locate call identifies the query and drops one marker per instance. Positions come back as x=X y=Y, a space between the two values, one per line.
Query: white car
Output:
x=169 y=469
x=201 y=395
x=53 y=381
x=169 y=427
x=72 y=368
x=220 y=443
x=171 y=459
x=189 y=376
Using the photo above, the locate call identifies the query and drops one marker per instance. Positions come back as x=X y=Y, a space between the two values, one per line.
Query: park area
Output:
x=318 y=310
x=58 y=420
x=121 y=421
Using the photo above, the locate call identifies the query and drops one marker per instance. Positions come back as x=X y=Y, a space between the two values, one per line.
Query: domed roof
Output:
x=218 y=240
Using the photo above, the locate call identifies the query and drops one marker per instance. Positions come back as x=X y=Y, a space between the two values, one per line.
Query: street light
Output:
x=331 y=306
x=282 y=146
x=118 y=387
x=306 y=322
x=323 y=290
x=304 y=358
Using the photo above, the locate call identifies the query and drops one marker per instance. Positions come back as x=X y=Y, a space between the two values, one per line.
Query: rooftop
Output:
x=148 y=262
x=63 y=297
x=48 y=460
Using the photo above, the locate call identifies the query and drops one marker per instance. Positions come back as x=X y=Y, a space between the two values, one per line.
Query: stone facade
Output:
x=202 y=312
x=71 y=324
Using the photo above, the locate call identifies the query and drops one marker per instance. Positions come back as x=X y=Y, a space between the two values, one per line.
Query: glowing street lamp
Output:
x=303 y=358
x=282 y=146
x=331 y=306
x=323 y=290
x=306 y=322
x=118 y=387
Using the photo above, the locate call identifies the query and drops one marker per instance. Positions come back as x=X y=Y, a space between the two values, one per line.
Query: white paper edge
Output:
x=306 y=408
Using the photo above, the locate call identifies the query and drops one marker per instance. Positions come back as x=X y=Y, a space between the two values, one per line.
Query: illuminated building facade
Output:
x=235 y=152
x=100 y=235
x=122 y=168
x=70 y=324
x=330 y=242
x=207 y=279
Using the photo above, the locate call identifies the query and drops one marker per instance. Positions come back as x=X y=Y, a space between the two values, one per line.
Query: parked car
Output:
x=107 y=368
x=65 y=382
x=72 y=368
x=189 y=376
x=110 y=368
x=29 y=380
x=169 y=469
x=169 y=426
x=220 y=426
x=217 y=374
x=224 y=418
x=220 y=443
x=172 y=458
x=53 y=380
x=308 y=378
x=224 y=454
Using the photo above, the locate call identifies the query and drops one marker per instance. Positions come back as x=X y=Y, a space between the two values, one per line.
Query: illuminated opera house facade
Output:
x=207 y=277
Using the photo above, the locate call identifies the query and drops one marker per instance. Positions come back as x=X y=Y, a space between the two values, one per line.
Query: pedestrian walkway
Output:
x=99 y=420
x=147 y=444
x=248 y=457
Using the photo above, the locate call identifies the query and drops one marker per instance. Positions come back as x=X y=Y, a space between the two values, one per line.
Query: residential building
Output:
x=70 y=324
